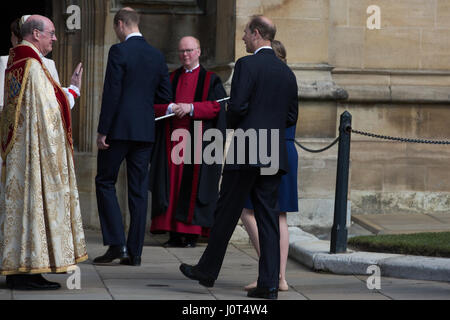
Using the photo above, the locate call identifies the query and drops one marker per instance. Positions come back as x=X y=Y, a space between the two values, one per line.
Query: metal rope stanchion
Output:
x=339 y=229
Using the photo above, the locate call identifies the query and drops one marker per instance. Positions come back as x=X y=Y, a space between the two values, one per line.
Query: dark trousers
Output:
x=137 y=156
x=235 y=188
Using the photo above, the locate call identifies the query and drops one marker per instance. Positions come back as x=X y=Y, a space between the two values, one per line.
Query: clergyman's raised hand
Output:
x=76 y=76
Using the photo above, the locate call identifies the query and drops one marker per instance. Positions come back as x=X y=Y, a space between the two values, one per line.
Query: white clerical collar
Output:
x=263 y=47
x=134 y=34
x=27 y=43
x=190 y=70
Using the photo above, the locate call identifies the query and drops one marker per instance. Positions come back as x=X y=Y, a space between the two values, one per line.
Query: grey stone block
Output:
x=315 y=255
x=349 y=263
x=417 y=267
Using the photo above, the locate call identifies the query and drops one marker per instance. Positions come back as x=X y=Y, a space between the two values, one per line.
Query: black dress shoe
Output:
x=179 y=243
x=113 y=253
x=264 y=293
x=192 y=273
x=190 y=240
x=30 y=282
x=190 y=244
x=131 y=261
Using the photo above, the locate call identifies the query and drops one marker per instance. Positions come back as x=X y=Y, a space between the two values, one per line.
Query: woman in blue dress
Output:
x=287 y=197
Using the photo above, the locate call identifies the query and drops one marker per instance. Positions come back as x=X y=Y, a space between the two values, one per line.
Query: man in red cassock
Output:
x=184 y=195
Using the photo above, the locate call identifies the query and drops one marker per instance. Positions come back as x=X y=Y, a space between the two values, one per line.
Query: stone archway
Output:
x=212 y=21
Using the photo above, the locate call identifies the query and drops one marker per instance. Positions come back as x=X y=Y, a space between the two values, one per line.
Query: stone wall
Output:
x=393 y=81
x=397 y=83
x=414 y=35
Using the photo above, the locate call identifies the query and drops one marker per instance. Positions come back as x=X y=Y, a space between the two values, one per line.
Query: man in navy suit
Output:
x=264 y=96
x=136 y=78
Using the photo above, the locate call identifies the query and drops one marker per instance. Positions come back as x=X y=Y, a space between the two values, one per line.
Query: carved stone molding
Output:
x=162 y=6
x=85 y=45
x=316 y=83
x=394 y=86
x=92 y=54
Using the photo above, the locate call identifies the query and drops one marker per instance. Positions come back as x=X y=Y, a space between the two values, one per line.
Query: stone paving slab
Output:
x=5 y=294
x=403 y=223
x=156 y=289
x=443 y=218
x=160 y=280
x=396 y=289
x=346 y=291
x=86 y=294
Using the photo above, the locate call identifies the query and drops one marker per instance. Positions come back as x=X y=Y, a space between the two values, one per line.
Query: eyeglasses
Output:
x=186 y=50
x=50 y=33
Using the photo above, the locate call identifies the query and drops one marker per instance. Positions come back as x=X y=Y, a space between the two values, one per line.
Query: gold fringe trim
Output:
x=44 y=270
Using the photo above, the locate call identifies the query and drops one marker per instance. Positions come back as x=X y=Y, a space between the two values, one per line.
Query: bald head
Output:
x=189 y=52
x=189 y=40
x=39 y=31
x=264 y=25
x=259 y=32
x=33 y=22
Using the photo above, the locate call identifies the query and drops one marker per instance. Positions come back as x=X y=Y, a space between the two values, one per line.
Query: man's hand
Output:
x=181 y=109
x=101 y=142
x=76 y=76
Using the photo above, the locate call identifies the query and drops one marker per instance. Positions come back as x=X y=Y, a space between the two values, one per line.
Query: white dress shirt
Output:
x=263 y=47
x=134 y=34
x=186 y=70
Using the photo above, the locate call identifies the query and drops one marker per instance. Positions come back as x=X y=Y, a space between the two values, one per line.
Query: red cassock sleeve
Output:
x=206 y=110
x=160 y=109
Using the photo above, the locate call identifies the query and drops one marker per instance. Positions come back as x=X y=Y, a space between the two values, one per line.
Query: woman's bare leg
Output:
x=284 y=250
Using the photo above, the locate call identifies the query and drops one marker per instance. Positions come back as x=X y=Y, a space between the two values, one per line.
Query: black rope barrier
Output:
x=338 y=243
x=379 y=136
x=317 y=151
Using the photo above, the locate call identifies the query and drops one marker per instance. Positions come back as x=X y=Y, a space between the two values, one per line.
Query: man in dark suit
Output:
x=264 y=95
x=136 y=77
